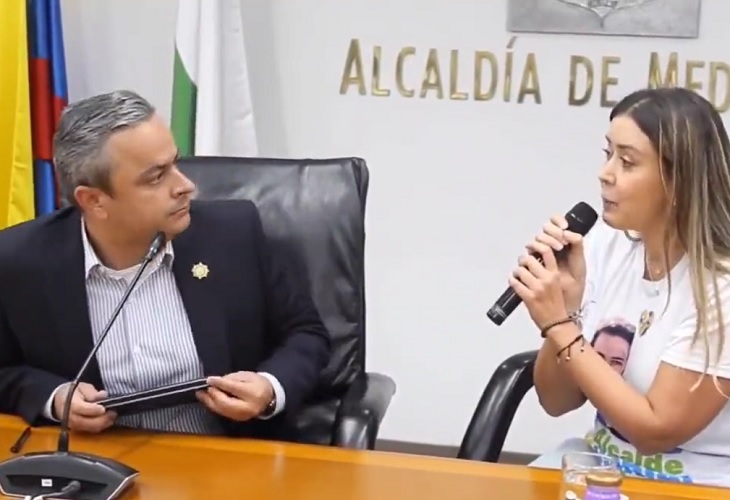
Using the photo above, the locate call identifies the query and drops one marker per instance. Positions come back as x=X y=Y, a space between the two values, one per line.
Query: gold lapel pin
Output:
x=200 y=271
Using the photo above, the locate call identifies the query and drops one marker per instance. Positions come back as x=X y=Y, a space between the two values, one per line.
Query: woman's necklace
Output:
x=647 y=315
x=652 y=277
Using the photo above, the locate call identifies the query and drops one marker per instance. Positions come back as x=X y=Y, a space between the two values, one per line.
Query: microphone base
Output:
x=40 y=473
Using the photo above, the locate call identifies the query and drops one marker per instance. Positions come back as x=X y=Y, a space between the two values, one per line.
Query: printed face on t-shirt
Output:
x=613 y=347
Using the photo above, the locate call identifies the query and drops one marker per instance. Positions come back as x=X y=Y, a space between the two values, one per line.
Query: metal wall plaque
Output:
x=651 y=18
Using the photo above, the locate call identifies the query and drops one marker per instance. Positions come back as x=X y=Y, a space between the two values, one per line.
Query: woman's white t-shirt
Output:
x=625 y=317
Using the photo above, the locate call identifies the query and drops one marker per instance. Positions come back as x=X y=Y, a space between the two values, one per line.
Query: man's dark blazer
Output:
x=248 y=314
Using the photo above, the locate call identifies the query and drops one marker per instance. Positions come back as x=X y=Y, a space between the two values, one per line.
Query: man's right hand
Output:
x=86 y=415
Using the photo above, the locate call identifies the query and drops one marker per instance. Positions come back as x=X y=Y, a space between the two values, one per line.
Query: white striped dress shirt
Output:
x=151 y=343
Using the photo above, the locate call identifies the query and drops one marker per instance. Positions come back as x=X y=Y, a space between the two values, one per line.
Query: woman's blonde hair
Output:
x=694 y=160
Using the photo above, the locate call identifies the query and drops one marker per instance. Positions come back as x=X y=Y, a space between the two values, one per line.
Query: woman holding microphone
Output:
x=656 y=270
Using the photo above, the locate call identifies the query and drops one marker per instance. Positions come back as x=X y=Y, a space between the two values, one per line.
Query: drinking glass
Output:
x=581 y=468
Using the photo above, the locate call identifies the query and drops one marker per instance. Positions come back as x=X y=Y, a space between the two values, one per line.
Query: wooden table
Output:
x=199 y=468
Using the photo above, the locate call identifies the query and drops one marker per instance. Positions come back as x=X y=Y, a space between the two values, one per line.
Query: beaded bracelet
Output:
x=571 y=318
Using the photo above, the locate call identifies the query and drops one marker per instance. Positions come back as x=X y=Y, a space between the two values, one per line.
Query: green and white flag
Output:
x=211 y=102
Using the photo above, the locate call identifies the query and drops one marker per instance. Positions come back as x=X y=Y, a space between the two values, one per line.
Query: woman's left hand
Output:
x=538 y=285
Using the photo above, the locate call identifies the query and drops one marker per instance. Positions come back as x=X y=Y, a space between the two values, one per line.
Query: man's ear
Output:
x=91 y=200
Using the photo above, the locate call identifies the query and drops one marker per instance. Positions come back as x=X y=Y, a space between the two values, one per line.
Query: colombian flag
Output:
x=32 y=95
x=48 y=95
x=16 y=153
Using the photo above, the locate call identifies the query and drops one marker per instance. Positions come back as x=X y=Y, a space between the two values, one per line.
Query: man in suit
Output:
x=215 y=302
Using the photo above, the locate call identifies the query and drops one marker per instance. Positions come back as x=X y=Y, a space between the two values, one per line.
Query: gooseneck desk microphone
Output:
x=65 y=474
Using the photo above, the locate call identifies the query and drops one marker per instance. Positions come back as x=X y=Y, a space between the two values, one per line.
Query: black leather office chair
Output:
x=314 y=211
x=493 y=416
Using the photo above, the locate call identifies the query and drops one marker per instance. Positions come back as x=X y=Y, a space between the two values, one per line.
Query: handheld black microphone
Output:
x=581 y=219
x=98 y=478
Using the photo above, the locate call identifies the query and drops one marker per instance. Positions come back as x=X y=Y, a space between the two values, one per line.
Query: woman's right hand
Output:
x=573 y=268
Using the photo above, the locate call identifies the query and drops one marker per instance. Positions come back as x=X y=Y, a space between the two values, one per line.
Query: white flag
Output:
x=212 y=113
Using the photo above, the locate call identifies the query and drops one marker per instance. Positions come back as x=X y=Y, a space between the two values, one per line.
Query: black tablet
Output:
x=153 y=399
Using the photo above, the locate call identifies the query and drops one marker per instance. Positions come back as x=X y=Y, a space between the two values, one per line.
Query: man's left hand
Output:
x=239 y=396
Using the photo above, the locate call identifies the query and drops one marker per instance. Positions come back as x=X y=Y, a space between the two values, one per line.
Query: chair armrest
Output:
x=362 y=410
x=493 y=416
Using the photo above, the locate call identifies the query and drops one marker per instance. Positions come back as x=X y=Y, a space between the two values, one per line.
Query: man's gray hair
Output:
x=83 y=131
